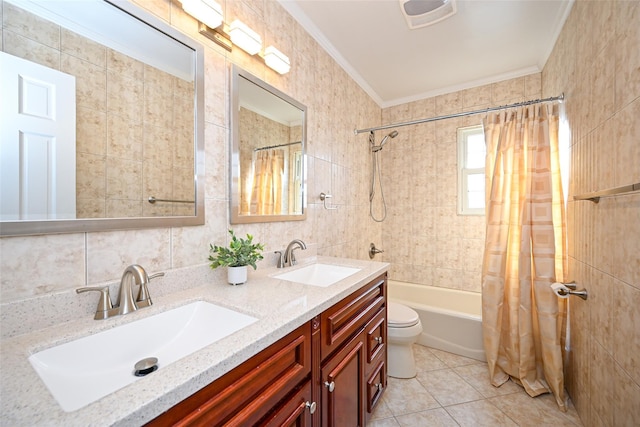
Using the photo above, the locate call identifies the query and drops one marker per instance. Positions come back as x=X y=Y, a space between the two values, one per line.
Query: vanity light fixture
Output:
x=209 y=12
x=211 y=25
x=244 y=37
x=276 y=60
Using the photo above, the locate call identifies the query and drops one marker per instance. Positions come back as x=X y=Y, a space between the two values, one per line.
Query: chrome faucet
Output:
x=133 y=275
x=289 y=257
x=126 y=303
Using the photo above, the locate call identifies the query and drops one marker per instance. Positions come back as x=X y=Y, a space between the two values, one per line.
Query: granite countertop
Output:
x=280 y=306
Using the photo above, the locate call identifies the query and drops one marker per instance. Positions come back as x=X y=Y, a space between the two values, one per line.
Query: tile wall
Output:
x=596 y=63
x=337 y=164
x=424 y=238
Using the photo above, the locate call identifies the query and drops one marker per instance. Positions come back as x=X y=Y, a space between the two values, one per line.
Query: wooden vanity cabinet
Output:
x=264 y=387
x=354 y=356
x=331 y=371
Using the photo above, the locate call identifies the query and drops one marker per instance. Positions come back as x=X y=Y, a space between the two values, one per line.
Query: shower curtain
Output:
x=268 y=169
x=522 y=318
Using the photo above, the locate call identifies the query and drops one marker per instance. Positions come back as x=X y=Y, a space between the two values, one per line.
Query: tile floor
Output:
x=452 y=390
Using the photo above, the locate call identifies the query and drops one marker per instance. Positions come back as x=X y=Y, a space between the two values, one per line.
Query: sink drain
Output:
x=145 y=366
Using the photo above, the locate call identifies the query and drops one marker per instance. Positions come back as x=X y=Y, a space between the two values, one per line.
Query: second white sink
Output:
x=322 y=275
x=82 y=371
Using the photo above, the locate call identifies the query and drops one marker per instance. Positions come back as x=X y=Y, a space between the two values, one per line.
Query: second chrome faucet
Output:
x=133 y=275
x=288 y=258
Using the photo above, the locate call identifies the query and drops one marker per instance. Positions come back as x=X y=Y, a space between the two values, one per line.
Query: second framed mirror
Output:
x=268 y=163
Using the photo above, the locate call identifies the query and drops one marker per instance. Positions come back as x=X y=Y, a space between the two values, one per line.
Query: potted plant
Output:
x=240 y=253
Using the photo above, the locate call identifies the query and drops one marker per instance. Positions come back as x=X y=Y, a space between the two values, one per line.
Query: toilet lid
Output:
x=401 y=316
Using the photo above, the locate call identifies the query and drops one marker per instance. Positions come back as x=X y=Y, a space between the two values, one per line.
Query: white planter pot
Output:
x=237 y=275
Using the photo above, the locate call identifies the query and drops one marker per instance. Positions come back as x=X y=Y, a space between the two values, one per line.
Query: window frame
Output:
x=463 y=201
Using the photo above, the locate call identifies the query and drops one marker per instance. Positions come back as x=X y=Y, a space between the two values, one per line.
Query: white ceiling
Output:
x=484 y=42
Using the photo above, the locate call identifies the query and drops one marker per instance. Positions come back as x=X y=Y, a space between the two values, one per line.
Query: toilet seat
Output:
x=401 y=316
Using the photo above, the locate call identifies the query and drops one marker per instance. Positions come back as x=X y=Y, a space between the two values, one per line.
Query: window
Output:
x=471 y=158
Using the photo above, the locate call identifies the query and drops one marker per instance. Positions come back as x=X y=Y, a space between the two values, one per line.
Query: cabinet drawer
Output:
x=348 y=317
x=376 y=384
x=246 y=394
x=295 y=411
x=376 y=335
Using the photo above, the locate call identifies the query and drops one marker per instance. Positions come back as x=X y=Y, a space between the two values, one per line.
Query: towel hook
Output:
x=324 y=197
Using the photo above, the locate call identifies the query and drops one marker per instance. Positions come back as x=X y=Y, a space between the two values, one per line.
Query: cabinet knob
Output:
x=379 y=386
x=311 y=406
x=378 y=340
x=330 y=385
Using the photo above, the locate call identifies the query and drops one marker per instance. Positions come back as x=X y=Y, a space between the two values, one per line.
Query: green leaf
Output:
x=240 y=252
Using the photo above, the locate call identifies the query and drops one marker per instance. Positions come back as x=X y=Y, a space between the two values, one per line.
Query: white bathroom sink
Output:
x=82 y=371
x=322 y=275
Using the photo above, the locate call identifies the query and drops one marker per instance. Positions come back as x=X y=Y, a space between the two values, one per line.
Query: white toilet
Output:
x=403 y=329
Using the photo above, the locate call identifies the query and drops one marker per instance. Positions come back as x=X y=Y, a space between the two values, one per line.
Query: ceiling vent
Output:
x=420 y=13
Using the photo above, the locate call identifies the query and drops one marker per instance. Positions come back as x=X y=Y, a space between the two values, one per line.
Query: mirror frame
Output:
x=234 y=155
x=26 y=227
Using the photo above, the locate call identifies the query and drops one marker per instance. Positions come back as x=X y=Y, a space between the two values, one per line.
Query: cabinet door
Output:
x=343 y=382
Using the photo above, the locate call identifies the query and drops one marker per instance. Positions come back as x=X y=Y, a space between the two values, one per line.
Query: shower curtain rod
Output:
x=466 y=113
x=276 y=146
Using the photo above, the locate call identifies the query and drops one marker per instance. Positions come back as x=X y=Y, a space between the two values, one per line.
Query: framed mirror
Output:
x=268 y=162
x=102 y=119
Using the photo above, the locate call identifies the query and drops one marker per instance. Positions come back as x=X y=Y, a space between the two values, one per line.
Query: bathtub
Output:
x=451 y=319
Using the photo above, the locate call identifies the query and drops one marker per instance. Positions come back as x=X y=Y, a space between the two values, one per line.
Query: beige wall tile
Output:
x=158 y=105
x=124 y=66
x=91 y=82
x=30 y=26
x=25 y=48
x=627 y=53
x=124 y=179
x=125 y=96
x=157 y=145
x=91 y=178
x=82 y=48
x=626 y=399
x=91 y=131
x=625 y=134
x=90 y=208
x=124 y=208
x=508 y=91
x=110 y=253
x=601 y=383
x=53 y=263
x=216 y=89
x=124 y=138
x=160 y=8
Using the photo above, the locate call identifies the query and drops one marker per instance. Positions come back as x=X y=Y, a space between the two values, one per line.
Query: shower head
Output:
x=390 y=135
x=376 y=148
